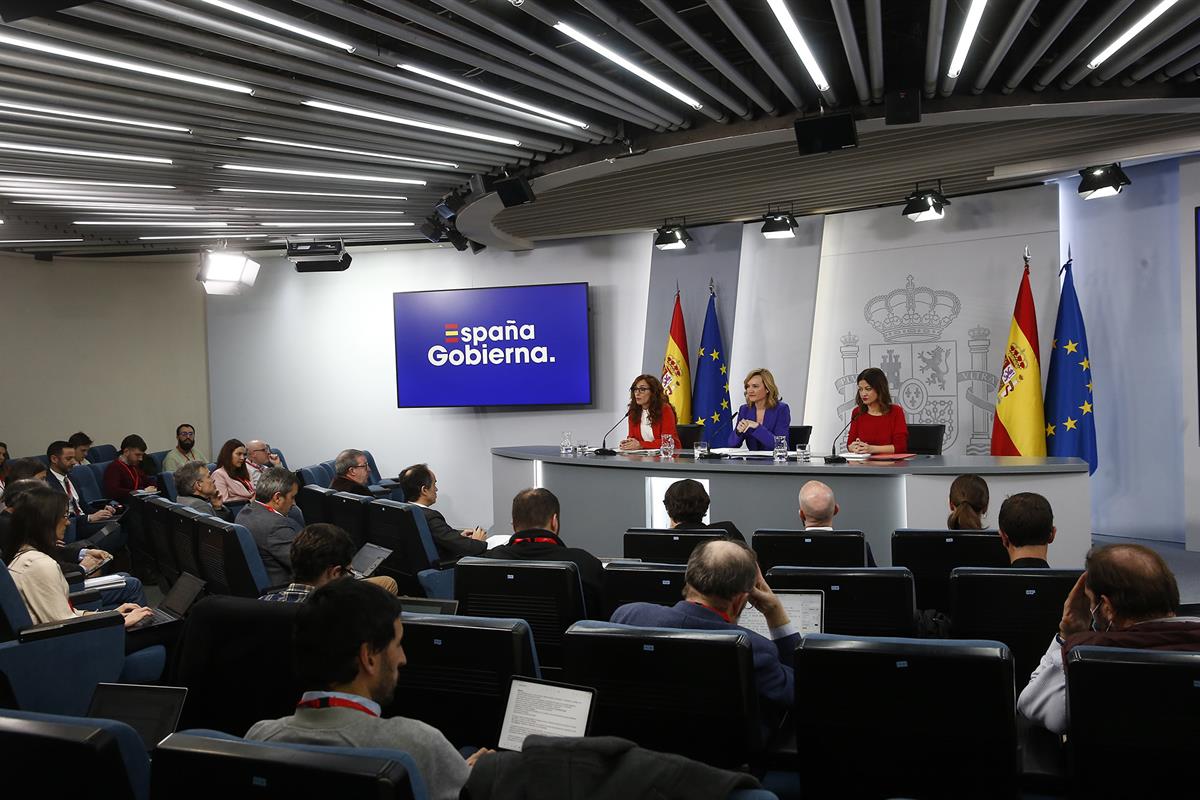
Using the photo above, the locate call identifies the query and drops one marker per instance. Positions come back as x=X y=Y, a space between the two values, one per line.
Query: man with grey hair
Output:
x=194 y=488
x=270 y=520
x=722 y=577
x=353 y=473
x=818 y=508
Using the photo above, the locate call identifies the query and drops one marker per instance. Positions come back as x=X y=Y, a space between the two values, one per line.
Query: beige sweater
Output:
x=40 y=581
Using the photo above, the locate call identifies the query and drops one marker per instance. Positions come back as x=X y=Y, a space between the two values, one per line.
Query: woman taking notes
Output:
x=650 y=415
x=876 y=426
x=763 y=417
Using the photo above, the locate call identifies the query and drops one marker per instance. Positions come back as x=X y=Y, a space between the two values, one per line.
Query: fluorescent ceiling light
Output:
x=966 y=37
x=59 y=112
x=37 y=241
x=73 y=182
x=133 y=223
x=352 y=225
x=315 y=194
x=788 y=23
x=46 y=46
x=317 y=211
x=415 y=123
x=503 y=98
x=103 y=206
x=282 y=24
x=309 y=173
x=70 y=151
x=1132 y=31
x=621 y=61
x=204 y=236
x=371 y=153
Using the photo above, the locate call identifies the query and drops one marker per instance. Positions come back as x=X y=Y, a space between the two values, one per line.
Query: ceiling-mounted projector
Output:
x=319 y=256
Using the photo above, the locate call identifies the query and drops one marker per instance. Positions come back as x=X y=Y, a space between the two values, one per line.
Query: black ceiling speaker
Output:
x=902 y=107
x=339 y=264
x=13 y=10
x=826 y=133
x=514 y=192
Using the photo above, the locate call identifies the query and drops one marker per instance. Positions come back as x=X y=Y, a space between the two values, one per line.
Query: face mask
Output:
x=1096 y=623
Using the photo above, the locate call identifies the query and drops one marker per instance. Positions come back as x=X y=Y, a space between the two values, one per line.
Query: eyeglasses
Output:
x=639 y=389
x=259 y=450
x=187 y=434
x=361 y=466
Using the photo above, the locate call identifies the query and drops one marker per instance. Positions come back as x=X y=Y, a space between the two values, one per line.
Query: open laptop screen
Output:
x=806 y=610
x=546 y=709
x=152 y=711
x=184 y=592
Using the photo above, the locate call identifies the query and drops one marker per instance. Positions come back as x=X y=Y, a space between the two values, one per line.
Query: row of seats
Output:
x=929 y=553
x=893 y=716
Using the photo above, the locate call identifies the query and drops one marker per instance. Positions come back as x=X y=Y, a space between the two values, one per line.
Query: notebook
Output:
x=546 y=709
x=428 y=605
x=175 y=606
x=152 y=711
x=805 y=608
x=367 y=560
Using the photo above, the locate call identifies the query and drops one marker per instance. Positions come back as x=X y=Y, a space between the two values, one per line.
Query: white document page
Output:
x=535 y=708
x=803 y=609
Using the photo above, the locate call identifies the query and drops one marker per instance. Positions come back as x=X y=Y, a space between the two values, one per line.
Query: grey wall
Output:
x=715 y=254
x=1127 y=262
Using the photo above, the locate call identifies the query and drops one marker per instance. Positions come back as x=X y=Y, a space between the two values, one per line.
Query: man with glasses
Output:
x=259 y=459
x=353 y=473
x=185 y=449
x=321 y=553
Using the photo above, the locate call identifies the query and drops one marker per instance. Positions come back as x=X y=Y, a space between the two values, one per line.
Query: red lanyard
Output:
x=131 y=472
x=268 y=508
x=535 y=539
x=721 y=614
x=335 y=702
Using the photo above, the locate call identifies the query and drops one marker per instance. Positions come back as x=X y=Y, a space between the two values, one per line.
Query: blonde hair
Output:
x=768 y=380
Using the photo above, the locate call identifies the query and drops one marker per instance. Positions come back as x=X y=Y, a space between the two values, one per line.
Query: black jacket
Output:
x=597 y=768
x=591 y=571
x=450 y=541
x=729 y=528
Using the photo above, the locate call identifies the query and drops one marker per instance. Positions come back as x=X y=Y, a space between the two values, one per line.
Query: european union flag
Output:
x=710 y=400
x=1070 y=422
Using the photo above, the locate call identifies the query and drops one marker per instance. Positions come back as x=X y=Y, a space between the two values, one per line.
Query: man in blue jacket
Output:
x=722 y=577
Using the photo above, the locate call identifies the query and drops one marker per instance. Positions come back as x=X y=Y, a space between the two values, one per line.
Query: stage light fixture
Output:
x=224 y=272
x=1102 y=181
x=672 y=236
x=779 y=224
x=432 y=228
x=925 y=205
x=449 y=206
x=457 y=239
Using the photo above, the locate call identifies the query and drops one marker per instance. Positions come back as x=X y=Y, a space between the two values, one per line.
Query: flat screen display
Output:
x=499 y=346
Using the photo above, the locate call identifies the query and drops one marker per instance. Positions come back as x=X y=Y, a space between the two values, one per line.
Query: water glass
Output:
x=567 y=446
x=781 y=449
x=581 y=447
x=804 y=453
x=700 y=450
x=667 y=449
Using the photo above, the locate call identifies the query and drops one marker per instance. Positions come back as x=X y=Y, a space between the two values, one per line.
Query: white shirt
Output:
x=647 y=429
x=73 y=505
x=256 y=471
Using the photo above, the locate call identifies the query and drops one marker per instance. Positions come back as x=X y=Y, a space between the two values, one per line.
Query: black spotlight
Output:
x=925 y=205
x=457 y=239
x=671 y=237
x=1105 y=181
x=431 y=228
x=778 y=224
x=448 y=208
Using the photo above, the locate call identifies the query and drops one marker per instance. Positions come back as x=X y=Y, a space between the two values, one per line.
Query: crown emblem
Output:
x=912 y=314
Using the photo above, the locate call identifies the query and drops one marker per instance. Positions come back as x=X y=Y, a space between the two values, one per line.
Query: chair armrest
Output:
x=445 y=563
x=388 y=483
x=65 y=627
x=84 y=596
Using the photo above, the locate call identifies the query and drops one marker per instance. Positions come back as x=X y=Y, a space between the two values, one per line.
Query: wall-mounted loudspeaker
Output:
x=514 y=192
x=902 y=107
x=825 y=134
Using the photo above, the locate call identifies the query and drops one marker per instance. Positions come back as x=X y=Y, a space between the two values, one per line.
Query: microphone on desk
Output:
x=604 y=449
x=833 y=457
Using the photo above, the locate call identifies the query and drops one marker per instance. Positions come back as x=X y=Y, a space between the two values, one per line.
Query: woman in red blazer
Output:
x=877 y=424
x=650 y=415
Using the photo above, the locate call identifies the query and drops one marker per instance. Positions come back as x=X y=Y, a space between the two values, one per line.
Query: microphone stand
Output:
x=604 y=449
x=833 y=457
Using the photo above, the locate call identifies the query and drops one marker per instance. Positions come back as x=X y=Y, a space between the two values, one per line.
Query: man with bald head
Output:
x=259 y=459
x=1127 y=597
x=722 y=577
x=818 y=508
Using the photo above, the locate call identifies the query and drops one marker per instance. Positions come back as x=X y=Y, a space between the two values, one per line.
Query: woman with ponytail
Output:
x=968 y=503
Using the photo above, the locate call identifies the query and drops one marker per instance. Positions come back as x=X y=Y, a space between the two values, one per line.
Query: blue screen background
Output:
x=559 y=314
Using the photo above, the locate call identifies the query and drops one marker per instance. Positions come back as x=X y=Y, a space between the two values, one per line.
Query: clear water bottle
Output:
x=781 y=449
x=567 y=446
x=667 y=448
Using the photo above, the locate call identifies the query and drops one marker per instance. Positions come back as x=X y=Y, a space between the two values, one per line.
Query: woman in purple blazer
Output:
x=763 y=417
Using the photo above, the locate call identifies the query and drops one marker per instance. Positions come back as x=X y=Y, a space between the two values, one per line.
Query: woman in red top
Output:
x=650 y=415
x=876 y=426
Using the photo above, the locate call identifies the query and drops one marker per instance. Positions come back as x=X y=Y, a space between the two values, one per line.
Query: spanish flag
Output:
x=1019 y=428
x=676 y=375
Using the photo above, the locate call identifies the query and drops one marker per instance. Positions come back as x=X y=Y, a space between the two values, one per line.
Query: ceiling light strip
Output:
x=37 y=241
x=970 y=25
x=316 y=211
x=282 y=24
x=415 y=123
x=70 y=151
x=503 y=98
x=4 y=178
x=311 y=174
x=61 y=112
x=350 y=225
x=1130 y=32
x=788 y=23
x=369 y=153
x=312 y=194
x=133 y=223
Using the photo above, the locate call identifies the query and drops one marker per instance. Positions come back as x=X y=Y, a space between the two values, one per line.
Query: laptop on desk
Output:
x=175 y=606
x=367 y=560
x=152 y=711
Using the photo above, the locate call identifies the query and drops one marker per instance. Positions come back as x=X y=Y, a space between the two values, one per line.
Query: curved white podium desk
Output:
x=601 y=496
